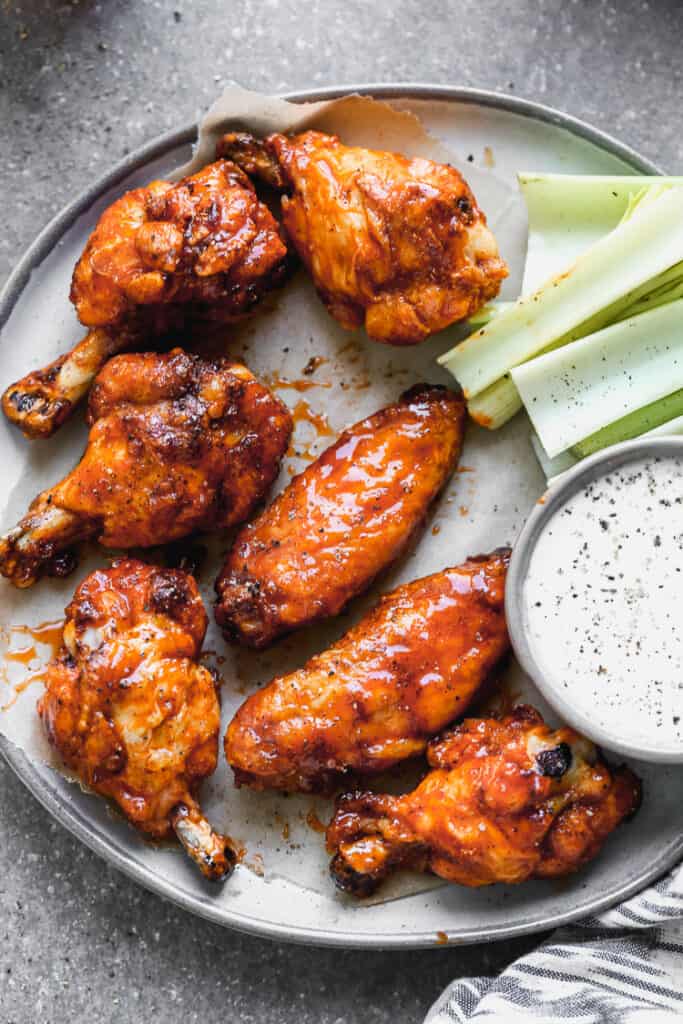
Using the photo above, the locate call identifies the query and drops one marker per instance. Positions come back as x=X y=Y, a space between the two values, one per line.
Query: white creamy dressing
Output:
x=603 y=601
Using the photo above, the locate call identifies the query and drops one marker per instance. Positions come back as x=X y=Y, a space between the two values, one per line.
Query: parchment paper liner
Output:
x=483 y=506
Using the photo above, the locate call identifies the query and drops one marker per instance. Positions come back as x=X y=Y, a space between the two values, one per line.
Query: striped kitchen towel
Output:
x=623 y=967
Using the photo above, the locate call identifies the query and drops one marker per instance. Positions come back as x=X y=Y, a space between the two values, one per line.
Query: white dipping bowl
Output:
x=564 y=624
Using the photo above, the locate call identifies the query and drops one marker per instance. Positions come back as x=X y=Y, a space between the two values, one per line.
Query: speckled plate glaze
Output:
x=538 y=138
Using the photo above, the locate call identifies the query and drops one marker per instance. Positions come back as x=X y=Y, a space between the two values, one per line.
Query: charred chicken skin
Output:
x=377 y=696
x=397 y=245
x=177 y=444
x=507 y=801
x=342 y=521
x=160 y=257
x=130 y=710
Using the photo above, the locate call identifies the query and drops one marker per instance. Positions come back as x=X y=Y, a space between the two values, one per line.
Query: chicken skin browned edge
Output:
x=506 y=801
x=397 y=245
x=341 y=522
x=177 y=444
x=378 y=695
x=130 y=709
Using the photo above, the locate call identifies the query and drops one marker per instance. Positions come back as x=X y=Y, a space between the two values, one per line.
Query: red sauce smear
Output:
x=255 y=865
x=213 y=656
x=312 y=365
x=48 y=634
x=314 y=822
x=350 y=346
x=277 y=383
x=302 y=413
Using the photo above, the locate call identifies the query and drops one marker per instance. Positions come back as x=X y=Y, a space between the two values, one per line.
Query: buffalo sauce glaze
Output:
x=352 y=512
x=375 y=697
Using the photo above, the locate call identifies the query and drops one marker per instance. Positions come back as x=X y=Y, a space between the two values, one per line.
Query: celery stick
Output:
x=633 y=425
x=566 y=214
x=576 y=390
x=667 y=429
x=655 y=188
x=569 y=212
x=496 y=405
x=488 y=312
x=552 y=468
x=666 y=288
x=648 y=243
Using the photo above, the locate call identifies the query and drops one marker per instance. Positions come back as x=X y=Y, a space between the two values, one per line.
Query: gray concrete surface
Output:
x=83 y=83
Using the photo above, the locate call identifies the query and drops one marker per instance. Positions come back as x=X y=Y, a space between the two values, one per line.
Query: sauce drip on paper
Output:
x=314 y=822
x=45 y=634
x=278 y=383
x=302 y=413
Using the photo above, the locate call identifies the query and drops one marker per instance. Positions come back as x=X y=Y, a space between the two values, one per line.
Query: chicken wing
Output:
x=177 y=444
x=130 y=710
x=507 y=801
x=397 y=245
x=348 y=516
x=159 y=258
x=375 y=697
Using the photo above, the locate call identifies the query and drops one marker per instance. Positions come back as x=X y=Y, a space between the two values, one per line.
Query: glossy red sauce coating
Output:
x=343 y=520
x=378 y=695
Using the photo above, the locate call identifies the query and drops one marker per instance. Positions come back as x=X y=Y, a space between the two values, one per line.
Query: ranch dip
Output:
x=603 y=603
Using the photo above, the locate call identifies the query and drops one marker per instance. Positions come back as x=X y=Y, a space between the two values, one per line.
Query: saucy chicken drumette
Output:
x=177 y=444
x=397 y=245
x=129 y=708
x=338 y=524
x=507 y=800
x=378 y=695
x=160 y=259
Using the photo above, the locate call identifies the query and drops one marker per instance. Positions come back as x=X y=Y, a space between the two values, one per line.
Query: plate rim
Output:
x=59 y=806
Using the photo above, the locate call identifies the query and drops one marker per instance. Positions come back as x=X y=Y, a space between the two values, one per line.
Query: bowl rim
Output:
x=562 y=488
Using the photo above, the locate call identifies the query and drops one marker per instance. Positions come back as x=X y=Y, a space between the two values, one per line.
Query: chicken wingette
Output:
x=176 y=444
x=378 y=695
x=343 y=520
x=161 y=258
x=507 y=800
x=129 y=708
x=397 y=245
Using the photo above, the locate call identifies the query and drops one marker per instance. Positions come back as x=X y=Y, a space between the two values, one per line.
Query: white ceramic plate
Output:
x=517 y=134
